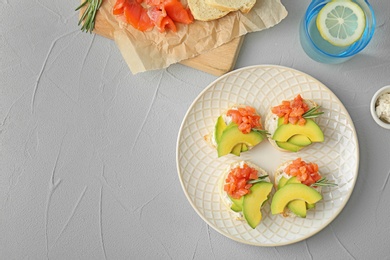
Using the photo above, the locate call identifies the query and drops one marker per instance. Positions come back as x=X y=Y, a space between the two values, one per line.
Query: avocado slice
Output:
x=300 y=140
x=289 y=146
x=236 y=208
x=244 y=148
x=282 y=182
x=220 y=125
x=310 y=129
x=293 y=191
x=293 y=179
x=232 y=136
x=252 y=202
x=236 y=150
x=237 y=204
x=310 y=206
x=298 y=207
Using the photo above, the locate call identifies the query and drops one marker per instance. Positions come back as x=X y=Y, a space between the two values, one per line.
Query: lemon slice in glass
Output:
x=341 y=23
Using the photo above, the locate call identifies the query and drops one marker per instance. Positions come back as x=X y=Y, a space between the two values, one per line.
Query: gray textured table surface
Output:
x=87 y=150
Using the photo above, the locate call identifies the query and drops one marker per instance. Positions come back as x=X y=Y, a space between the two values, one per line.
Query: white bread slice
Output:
x=232 y=5
x=204 y=12
x=224 y=196
x=271 y=123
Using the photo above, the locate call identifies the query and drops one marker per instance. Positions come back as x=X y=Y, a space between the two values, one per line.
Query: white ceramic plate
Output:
x=264 y=86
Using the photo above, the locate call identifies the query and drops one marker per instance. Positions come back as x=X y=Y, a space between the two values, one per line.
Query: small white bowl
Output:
x=385 y=89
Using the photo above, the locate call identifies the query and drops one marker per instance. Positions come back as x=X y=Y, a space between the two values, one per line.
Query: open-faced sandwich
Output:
x=298 y=188
x=237 y=130
x=244 y=187
x=291 y=124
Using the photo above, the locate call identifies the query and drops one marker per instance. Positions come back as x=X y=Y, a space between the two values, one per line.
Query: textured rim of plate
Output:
x=325 y=224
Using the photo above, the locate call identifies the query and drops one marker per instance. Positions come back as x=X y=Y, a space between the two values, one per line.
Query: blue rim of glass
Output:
x=354 y=48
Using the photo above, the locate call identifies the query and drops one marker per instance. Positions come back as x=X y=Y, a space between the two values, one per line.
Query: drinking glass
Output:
x=322 y=51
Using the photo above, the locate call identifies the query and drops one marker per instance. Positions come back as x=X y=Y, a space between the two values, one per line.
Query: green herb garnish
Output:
x=312 y=112
x=260 y=131
x=89 y=14
x=323 y=182
x=259 y=179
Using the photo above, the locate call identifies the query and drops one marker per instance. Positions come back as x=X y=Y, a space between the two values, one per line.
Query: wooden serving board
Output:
x=216 y=62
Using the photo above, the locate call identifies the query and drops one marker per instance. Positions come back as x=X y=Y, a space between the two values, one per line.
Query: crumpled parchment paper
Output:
x=151 y=50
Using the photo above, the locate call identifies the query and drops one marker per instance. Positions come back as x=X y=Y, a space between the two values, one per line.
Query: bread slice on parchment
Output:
x=232 y=5
x=205 y=12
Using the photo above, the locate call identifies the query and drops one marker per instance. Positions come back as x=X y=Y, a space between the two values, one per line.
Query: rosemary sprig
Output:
x=89 y=14
x=259 y=179
x=261 y=131
x=323 y=182
x=312 y=112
